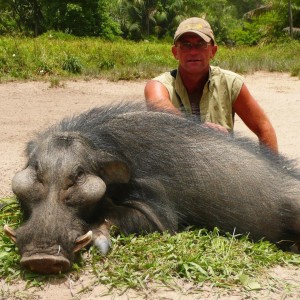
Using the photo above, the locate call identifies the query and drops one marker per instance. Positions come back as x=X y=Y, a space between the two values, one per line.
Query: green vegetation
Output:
x=9 y=214
x=62 y=56
x=238 y=22
x=94 y=38
x=194 y=255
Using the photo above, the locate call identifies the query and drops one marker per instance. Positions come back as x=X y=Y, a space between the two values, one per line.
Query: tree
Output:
x=148 y=19
x=267 y=23
x=8 y=24
x=137 y=17
x=27 y=15
x=243 y=6
x=78 y=17
x=290 y=18
x=172 y=12
x=81 y=17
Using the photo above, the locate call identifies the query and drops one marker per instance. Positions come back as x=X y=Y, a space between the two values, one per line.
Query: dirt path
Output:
x=31 y=106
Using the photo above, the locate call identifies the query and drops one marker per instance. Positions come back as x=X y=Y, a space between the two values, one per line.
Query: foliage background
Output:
x=247 y=22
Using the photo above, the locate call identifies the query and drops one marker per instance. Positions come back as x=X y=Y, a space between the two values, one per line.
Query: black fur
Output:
x=177 y=173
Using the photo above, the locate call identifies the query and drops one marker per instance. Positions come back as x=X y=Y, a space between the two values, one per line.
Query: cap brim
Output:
x=205 y=37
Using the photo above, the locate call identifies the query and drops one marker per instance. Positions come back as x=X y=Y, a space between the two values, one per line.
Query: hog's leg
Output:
x=142 y=206
x=125 y=219
x=145 y=209
x=101 y=237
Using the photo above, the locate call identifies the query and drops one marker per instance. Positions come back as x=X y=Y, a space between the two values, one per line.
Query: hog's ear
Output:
x=112 y=169
x=31 y=146
x=115 y=171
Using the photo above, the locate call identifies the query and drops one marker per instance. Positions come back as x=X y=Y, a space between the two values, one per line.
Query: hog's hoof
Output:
x=103 y=244
x=46 y=264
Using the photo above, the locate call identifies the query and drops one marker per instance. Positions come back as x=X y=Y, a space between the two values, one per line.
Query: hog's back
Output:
x=211 y=179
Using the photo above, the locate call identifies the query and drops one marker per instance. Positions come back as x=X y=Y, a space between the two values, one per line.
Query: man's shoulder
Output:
x=227 y=74
x=166 y=78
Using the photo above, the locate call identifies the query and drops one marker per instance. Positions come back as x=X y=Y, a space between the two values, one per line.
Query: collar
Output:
x=210 y=81
x=179 y=87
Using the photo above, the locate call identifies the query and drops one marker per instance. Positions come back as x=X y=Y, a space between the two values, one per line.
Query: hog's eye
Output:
x=77 y=176
x=39 y=178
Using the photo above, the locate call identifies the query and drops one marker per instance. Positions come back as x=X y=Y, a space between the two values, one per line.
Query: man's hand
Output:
x=215 y=127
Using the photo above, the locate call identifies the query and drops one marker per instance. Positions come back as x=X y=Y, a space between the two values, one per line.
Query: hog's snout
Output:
x=46 y=264
x=53 y=264
x=48 y=260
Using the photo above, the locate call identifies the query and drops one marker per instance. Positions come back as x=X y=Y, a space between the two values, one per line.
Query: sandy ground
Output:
x=27 y=107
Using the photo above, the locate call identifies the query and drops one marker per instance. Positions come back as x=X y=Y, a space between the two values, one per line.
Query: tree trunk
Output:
x=290 y=19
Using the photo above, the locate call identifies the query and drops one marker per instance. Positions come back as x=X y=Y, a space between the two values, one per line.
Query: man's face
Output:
x=193 y=53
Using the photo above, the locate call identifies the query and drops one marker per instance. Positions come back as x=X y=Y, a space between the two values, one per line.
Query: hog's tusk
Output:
x=10 y=233
x=58 y=252
x=83 y=240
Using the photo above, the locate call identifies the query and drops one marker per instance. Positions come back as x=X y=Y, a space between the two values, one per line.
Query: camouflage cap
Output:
x=195 y=25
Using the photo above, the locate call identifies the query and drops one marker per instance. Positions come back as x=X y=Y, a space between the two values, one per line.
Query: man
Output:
x=204 y=91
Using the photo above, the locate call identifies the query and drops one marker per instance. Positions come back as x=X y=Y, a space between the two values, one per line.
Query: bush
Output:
x=72 y=64
x=33 y=58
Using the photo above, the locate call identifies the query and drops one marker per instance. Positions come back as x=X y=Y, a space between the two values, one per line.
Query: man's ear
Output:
x=214 y=50
x=175 y=52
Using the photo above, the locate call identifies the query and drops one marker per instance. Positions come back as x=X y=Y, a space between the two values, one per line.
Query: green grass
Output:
x=195 y=255
x=272 y=58
x=66 y=57
x=9 y=214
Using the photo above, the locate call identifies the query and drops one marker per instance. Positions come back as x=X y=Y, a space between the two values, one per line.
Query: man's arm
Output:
x=158 y=98
x=256 y=120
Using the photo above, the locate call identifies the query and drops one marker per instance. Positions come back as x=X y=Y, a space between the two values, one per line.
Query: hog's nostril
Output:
x=46 y=264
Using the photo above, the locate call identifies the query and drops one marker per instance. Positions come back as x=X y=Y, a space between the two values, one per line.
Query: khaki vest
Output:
x=219 y=94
